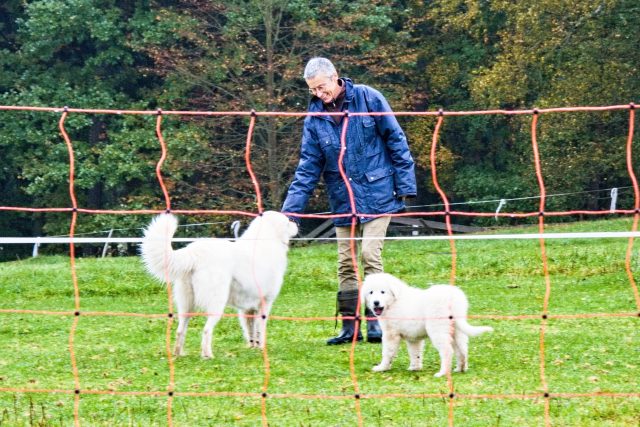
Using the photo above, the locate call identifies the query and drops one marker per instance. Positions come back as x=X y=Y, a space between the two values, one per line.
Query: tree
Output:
x=569 y=54
x=76 y=53
x=240 y=55
x=249 y=55
x=515 y=55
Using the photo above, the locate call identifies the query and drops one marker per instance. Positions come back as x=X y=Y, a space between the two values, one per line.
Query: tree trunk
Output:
x=271 y=23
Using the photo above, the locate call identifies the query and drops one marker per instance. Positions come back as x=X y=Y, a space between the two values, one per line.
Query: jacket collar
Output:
x=315 y=105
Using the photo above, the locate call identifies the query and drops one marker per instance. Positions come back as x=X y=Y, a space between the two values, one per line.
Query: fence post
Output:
x=235 y=227
x=614 y=199
x=36 y=245
x=500 y=205
x=106 y=244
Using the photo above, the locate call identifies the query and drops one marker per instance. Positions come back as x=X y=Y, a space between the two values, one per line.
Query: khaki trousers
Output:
x=369 y=249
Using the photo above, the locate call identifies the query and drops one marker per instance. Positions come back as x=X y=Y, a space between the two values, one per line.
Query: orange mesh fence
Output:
x=450 y=395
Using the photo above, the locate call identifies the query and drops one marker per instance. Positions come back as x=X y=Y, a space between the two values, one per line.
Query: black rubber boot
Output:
x=347 y=303
x=374 y=333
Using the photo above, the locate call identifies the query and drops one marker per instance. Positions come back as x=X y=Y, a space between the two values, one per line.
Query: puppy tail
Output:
x=156 y=251
x=471 y=330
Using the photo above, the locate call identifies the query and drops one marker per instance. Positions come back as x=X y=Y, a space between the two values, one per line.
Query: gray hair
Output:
x=319 y=66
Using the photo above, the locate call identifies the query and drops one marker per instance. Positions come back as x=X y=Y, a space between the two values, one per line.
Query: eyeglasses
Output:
x=320 y=88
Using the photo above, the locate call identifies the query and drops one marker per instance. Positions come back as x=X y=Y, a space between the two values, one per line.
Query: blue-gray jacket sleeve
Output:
x=396 y=142
x=307 y=174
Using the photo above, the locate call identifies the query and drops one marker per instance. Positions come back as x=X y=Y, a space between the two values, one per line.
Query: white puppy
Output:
x=211 y=273
x=412 y=314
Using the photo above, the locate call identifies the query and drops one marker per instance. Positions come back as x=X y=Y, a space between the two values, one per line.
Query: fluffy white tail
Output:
x=470 y=330
x=156 y=250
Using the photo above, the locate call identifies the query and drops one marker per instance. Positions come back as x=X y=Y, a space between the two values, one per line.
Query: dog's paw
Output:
x=439 y=374
x=415 y=368
x=380 y=368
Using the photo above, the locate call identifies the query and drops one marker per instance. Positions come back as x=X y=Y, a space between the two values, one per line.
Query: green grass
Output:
x=500 y=277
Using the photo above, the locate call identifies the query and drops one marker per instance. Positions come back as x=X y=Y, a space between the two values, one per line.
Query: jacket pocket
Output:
x=380 y=189
x=379 y=173
x=331 y=152
x=368 y=129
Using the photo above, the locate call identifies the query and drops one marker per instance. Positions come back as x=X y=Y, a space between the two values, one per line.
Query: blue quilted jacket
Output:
x=377 y=160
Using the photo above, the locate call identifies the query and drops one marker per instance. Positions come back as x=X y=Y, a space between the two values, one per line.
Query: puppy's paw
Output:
x=439 y=374
x=381 y=368
x=415 y=368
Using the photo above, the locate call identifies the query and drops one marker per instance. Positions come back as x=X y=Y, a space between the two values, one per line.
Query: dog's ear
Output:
x=394 y=288
x=293 y=228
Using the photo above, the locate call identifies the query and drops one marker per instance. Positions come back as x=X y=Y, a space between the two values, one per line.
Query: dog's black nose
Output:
x=376 y=303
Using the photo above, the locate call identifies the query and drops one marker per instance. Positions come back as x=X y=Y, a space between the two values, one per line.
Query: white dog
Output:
x=211 y=273
x=413 y=314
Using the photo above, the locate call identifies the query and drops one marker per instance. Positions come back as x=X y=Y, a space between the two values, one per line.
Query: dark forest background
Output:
x=241 y=55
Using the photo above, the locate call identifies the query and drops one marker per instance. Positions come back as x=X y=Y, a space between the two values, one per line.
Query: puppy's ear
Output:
x=394 y=289
x=293 y=228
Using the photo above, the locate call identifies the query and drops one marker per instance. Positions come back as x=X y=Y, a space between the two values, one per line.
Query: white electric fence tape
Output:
x=521 y=236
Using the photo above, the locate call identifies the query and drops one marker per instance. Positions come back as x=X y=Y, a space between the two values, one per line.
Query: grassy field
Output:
x=500 y=277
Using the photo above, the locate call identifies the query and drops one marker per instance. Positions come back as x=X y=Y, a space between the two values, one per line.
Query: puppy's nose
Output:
x=376 y=303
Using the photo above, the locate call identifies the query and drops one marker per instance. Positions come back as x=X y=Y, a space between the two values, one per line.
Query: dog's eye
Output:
x=370 y=292
x=382 y=292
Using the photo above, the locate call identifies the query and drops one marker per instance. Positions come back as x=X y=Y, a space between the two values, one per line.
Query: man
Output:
x=379 y=168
